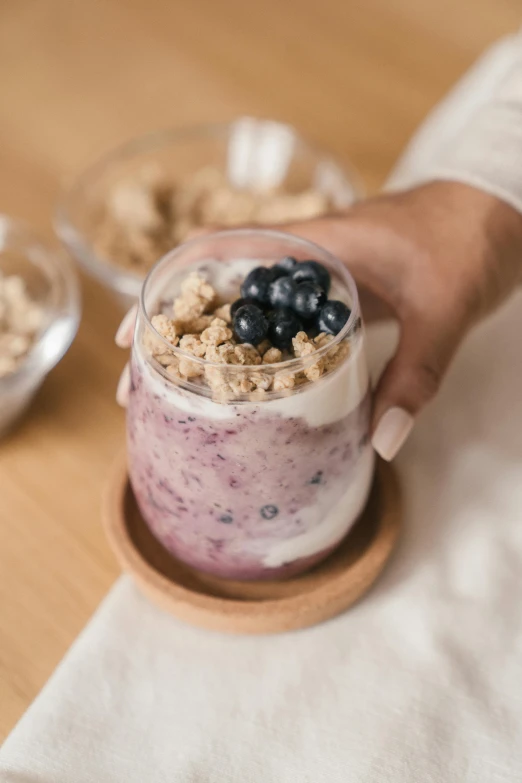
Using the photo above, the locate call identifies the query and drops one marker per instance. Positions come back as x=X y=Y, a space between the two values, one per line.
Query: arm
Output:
x=474 y=136
x=447 y=249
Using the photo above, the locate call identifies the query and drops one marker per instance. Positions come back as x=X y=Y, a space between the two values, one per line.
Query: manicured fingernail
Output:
x=392 y=430
x=123 y=338
x=122 y=392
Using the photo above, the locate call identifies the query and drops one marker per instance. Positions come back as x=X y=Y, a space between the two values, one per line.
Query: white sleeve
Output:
x=474 y=135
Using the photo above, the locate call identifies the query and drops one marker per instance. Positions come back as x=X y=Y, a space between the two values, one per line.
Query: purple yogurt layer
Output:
x=222 y=494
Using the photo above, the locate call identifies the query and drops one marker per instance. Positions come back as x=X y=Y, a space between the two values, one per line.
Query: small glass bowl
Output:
x=52 y=283
x=253 y=155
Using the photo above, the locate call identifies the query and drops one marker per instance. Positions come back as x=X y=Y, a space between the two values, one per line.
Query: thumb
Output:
x=410 y=380
x=365 y=253
x=340 y=234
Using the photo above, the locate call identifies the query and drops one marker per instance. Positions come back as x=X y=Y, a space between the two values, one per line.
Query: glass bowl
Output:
x=250 y=155
x=51 y=283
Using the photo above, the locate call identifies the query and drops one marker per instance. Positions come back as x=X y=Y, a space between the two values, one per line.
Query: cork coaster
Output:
x=255 y=607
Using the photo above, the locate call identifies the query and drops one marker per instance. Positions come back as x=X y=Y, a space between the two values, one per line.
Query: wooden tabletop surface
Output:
x=79 y=77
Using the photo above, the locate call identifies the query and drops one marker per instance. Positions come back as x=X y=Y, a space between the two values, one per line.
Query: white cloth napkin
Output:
x=475 y=134
x=420 y=682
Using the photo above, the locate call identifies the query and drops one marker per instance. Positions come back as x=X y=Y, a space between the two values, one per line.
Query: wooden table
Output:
x=77 y=78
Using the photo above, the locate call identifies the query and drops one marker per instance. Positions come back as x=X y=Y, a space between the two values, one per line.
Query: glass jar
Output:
x=253 y=485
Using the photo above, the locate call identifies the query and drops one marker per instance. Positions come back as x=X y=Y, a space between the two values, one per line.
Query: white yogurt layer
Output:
x=329 y=399
x=336 y=520
x=319 y=402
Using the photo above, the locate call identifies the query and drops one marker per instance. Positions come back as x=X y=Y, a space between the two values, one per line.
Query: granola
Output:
x=192 y=344
x=272 y=356
x=201 y=329
x=247 y=354
x=223 y=312
x=21 y=318
x=146 y=214
x=217 y=333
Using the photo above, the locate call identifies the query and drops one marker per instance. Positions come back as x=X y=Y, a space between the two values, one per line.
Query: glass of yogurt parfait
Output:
x=248 y=461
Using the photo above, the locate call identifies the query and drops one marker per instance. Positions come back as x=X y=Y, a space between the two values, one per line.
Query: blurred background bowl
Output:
x=51 y=283
x=143 y=198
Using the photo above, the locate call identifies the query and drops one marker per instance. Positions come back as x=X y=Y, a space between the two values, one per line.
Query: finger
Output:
x=410 y=380
x=350 y=242
x=331 y=232
x=362 y=247
x=123 y=389
x=201 y=231
x=372 y=307
x=123 y=337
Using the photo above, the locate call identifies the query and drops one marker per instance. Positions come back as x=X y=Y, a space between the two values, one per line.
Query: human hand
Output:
x=439 y=257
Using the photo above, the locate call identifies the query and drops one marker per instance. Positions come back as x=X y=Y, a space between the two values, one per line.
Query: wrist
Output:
x=494 y=235
x=504 y=229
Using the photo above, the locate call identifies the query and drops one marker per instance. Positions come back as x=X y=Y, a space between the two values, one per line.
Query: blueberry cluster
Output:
x=279 y=301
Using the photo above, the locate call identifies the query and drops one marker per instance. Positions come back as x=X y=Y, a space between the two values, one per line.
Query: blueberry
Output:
x=269 y=511
x=250 y=325
x=314 y=271
x=333 y=316
x=255 y=285
x=234 y=307
x=309 y=299
x=287 y=264
x=281 y=292
x=283 y=325
x=278 y=271
x=226 y=519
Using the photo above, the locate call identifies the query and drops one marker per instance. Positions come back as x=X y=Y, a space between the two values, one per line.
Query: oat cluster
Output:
x=147 y=214
x=201 y=327
x=21 y=318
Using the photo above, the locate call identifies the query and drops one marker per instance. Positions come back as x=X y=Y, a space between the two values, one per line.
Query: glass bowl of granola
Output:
x=146 y=197
x=248 y=404
x=39 y=314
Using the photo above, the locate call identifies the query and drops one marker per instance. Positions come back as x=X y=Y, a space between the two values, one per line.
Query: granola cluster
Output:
x=146 y=215
x=201 y=328
x=21 y=319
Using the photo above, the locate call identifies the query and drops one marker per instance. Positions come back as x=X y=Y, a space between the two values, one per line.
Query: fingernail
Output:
x=392 y=430
x=123 y=338
x=122 y=392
